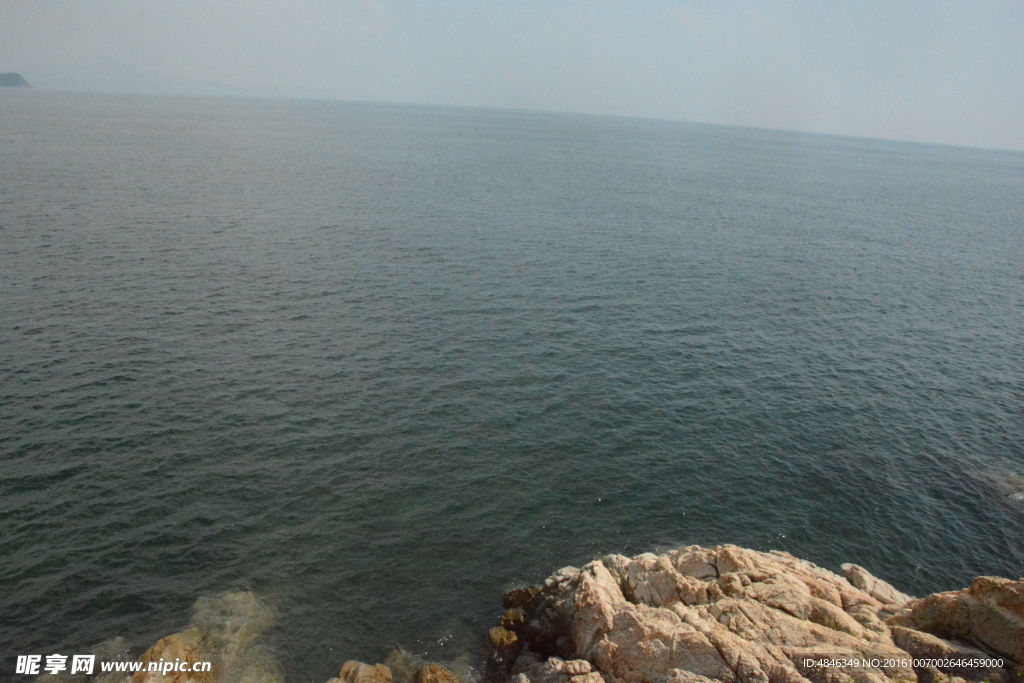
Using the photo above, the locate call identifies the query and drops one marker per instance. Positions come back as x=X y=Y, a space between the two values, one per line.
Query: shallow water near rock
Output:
x=382 y=363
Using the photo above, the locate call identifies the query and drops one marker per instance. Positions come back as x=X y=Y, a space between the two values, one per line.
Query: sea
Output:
x=381 y=363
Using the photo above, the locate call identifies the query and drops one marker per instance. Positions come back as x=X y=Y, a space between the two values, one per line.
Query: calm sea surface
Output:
x=382 y=363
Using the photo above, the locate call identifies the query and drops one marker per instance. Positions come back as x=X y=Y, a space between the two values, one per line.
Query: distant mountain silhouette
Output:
x=13 y=80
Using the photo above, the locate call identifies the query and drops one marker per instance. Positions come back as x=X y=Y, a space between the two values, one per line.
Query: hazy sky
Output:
x=928 y=71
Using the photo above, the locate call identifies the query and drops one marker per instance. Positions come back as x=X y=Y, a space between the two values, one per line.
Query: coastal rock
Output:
x=927 y=646
x=187 y=646
x=990 y=613
x=223 y=632
x=740 y=616
x=435 y=673
x=358 y=672
x=693 y=615
x=503 y=645
x=556 y=670
x=401 y=667
x=861 y=578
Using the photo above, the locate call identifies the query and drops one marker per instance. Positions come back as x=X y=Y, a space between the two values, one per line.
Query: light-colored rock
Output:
x=880 y=590
x=990 y=613
x=682 y=676
x=577 y=667
x=733 y=615
x=999 y=591
x=557 y=670
x=358 y=672
x=927 y=646
x=435 y=673
x=187 y=646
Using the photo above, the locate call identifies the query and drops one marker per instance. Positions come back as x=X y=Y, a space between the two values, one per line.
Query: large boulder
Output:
x=990 y=614
x=435 y=673
x=358 y=672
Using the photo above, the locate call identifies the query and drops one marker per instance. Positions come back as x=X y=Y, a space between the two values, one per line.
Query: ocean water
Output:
x=382 y=363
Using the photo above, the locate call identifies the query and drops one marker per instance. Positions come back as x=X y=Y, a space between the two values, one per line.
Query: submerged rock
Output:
x=187 y=646
x=224 y=631
x=404 y=665
x=435 y=673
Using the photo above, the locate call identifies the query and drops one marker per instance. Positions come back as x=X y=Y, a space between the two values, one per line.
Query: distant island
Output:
x=13 y=80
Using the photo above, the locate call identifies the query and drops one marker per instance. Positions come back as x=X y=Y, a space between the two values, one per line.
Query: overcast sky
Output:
x=927 y=71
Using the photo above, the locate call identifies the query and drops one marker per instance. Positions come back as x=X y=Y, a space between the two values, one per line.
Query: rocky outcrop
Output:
x=740 y=616
x=693 y=615
x=357 y=672
x=861 y=578
x=13 y=80
x=989 y=613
